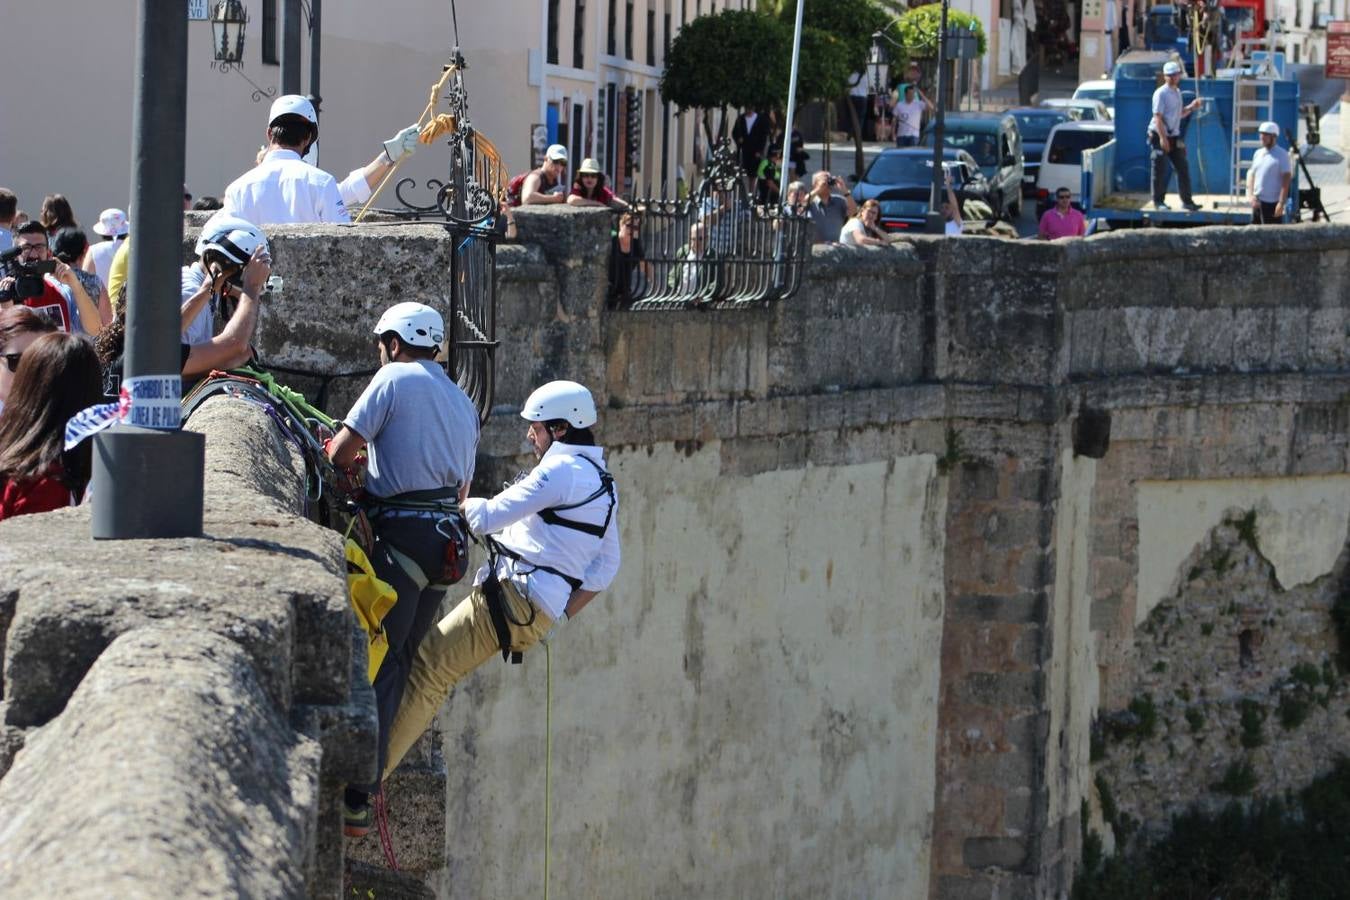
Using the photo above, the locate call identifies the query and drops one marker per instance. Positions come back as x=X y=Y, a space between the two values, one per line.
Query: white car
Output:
x=1088 y=110
x=1103 y=89
x=1062 y=162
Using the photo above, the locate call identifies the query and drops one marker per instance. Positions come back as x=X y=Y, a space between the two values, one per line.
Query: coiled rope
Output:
x=422 y=121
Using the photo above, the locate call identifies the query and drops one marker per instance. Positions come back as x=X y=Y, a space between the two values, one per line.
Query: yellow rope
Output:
x=421 y=121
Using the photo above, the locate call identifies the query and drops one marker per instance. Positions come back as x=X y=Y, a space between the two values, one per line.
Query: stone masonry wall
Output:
x=178 y=716
x=1212 y=354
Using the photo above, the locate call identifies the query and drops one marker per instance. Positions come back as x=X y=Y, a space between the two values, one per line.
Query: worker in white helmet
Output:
x=284 y=186
x=421 y=433
x=553 y=544
x=1269 y=178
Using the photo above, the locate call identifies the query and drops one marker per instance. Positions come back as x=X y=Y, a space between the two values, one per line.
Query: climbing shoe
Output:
x=355 y=820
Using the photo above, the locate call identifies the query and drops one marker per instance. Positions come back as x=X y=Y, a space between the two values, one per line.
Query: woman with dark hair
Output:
x=19 y=327
x=69 y=246
x=588 y=188
x=57 y=214
x=59 y=377
x=629 y=271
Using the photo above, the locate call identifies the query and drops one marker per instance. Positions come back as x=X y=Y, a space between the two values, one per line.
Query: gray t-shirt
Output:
x=1268 y=170
x=829 y=218
x=1167 y=100
x=421 y=430
x=199 y=330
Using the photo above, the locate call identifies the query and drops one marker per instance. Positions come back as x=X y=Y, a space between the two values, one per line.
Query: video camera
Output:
x=27 y=276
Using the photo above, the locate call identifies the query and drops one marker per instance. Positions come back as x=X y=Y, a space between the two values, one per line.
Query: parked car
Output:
x=1034 y=124
x=1088 y=110
x=1102 y=89
x=901 y=181
x=996 y=144
x=1062 y=163
x=1145 y=64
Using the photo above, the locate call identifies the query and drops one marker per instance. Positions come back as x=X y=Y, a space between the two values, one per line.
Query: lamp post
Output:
x=147 y=472
x=878 y=63
x=229 y=20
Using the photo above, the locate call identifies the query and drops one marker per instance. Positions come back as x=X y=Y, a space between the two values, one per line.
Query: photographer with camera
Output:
x=828 y=210
x=47 y=286
x=224 y=248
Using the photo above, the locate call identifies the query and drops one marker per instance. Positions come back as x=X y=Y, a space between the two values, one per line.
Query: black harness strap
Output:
x=501 y=617
x=551 y=517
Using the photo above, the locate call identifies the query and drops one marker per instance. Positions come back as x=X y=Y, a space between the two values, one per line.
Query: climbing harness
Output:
x=498 y=610
x=439 y=504
x=606 y=488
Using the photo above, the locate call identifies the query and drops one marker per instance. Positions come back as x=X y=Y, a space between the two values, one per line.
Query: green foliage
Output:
x=919 y=29
x=1340 y=617
x=1142 y=706
x=1207 y=628
x=1295 y=706
x=1307 y=674
x=735 y=58
x=1223 y=561
x=851 y=21
x=953 y=455
x=1238 y=779
x=1160 y=666
x=743 y=58
x=1246 y=529
x=1252 y=715
x=1195 y=717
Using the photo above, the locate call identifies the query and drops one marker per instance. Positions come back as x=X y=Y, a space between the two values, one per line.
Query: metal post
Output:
x=935 y=223
x=147 y=475
x=315 y=51
x=290 y=46
x=792 y=102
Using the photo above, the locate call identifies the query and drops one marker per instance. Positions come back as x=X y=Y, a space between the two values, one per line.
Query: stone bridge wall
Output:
x=177 y=717
x=872 y=597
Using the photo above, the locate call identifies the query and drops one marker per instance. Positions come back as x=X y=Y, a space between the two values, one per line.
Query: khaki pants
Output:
x=453 y=647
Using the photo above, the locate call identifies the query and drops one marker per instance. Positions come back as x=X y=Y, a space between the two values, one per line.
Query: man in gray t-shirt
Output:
x=1269 y=178
x=1164 y=139
x=421 y=432
x=828 y=211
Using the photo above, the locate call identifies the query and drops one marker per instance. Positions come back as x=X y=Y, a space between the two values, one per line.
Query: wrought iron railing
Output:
x=718 y=248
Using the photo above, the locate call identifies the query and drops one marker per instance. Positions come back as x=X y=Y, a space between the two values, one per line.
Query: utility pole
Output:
x=147 y=472
x=935 y=223
x=290 y=46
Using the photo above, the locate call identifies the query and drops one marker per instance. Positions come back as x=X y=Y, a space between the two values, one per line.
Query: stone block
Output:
x=231 y=789
x=1022 y=608
x=1002 y=689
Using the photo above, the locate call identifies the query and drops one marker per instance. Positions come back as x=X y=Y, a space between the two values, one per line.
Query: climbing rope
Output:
x=436 y=89
x=441 y=125
x=382 y=824
x=548 y=758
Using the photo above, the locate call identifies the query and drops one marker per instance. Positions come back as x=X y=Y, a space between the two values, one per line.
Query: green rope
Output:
x=548 y=756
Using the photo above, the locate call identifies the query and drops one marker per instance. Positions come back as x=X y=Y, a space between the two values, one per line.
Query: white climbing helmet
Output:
x=416 y=324
x=232 y=236
x=293 y=105
x=561 y=400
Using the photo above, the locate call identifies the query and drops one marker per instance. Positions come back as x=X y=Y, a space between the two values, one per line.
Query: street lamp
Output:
x=879 y=65
x=229 y=20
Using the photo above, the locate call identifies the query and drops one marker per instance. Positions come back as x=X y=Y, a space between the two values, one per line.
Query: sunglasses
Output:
x=12 y=361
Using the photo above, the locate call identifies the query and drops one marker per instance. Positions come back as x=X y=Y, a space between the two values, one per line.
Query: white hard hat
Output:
x=561 y=400
x=293 y=105
x=1171 y=68
x=556 y=152
x=1269 y=128
x=111 y=223
x=232 y=236
x=416 y=324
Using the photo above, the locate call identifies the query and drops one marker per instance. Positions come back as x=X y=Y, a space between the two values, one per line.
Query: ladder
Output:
x=1253 y=103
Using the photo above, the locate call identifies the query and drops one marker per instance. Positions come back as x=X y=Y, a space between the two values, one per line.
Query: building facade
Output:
x=583 y=73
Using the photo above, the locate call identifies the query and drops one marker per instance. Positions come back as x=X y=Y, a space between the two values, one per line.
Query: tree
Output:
x=735 y=58
x=836 y=40
x=920 y=26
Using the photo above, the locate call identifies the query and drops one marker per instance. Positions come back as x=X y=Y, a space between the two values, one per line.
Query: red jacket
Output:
x=34 y=495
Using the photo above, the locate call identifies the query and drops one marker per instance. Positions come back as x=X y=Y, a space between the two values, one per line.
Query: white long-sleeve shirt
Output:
x=283 y=189
x=512 y=517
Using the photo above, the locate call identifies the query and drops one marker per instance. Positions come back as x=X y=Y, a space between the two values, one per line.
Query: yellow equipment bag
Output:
x=371 y=600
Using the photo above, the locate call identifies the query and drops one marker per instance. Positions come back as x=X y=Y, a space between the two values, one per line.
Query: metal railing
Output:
x=716 y=249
